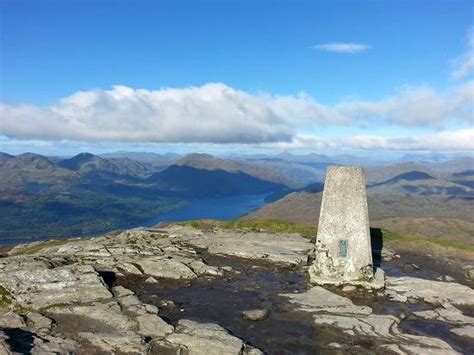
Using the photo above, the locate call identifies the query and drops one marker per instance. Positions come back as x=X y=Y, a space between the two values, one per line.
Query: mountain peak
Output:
x=77 y=161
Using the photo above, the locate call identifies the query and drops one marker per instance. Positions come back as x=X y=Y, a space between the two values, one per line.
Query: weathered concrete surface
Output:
x=343 y=248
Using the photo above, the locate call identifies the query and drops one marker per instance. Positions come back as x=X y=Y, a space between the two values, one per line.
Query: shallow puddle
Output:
x=221 y=300
x=256 y=284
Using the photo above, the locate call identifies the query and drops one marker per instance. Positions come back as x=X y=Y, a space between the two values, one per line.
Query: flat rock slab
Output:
x=38 y=287
x=403 y=288
x=206 y=339
x=318 y=299
x=165 y=267
x=288 y=248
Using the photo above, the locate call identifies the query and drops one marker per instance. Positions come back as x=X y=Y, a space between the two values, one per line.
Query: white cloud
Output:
x=456 y=140
x=464 y=65
x=461 y=140
x=415 y=106
x=216 y=113
x=342 y=47
x=212 y=113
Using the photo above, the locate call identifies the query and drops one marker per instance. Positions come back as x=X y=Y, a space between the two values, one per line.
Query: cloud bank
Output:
x=341 y=47
x=216 y=113
x=454 y=140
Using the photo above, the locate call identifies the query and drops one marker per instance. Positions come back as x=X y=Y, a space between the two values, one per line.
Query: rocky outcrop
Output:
x=62 y=296
x=38 y=285
x=286 y=248
x=59 y=297
x=337 y=311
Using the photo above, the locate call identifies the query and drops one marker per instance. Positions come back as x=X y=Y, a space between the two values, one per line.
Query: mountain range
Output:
x=87 y=193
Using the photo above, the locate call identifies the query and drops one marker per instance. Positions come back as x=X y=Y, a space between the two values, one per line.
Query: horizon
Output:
x=367 y=79
x=400 y=158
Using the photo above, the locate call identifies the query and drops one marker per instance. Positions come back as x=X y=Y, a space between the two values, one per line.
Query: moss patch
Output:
x=270 y=226
x=5 y=297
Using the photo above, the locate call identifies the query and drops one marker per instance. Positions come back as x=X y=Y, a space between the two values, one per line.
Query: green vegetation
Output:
x=5 y=297
x=271 y=226
x=394 y=237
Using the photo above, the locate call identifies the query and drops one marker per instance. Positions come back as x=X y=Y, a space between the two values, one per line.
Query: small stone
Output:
x=335 y=345
x=431 y=300
x=255 y=314
x=149 y=308
x=167 y=304
x=120 y=291
x=449 y=278
x=349 y=288
x=470 y=274
x=151 y=279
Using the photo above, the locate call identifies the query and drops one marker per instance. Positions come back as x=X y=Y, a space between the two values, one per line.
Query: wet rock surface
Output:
x=180 y=290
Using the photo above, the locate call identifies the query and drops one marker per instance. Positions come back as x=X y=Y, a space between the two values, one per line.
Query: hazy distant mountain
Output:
x=86 y=162
x=381 y=174
x=260 y=171
x=465 y=178
x=465 y=163
x=144 y=157
x=189 y=181
x=5 y=156
x=28 y=168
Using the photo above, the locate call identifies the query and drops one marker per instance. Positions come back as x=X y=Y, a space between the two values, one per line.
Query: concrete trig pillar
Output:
x=343 y=252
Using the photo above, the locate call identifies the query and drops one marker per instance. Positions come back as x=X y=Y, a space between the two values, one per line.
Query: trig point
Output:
x=343 y=253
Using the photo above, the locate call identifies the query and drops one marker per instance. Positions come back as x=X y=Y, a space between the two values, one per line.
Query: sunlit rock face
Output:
x=343 y=249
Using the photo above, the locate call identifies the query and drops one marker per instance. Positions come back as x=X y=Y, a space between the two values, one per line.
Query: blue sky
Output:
x=275 y=73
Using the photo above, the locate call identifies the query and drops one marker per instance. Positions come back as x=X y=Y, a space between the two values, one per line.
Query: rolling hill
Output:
x=91 y=194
